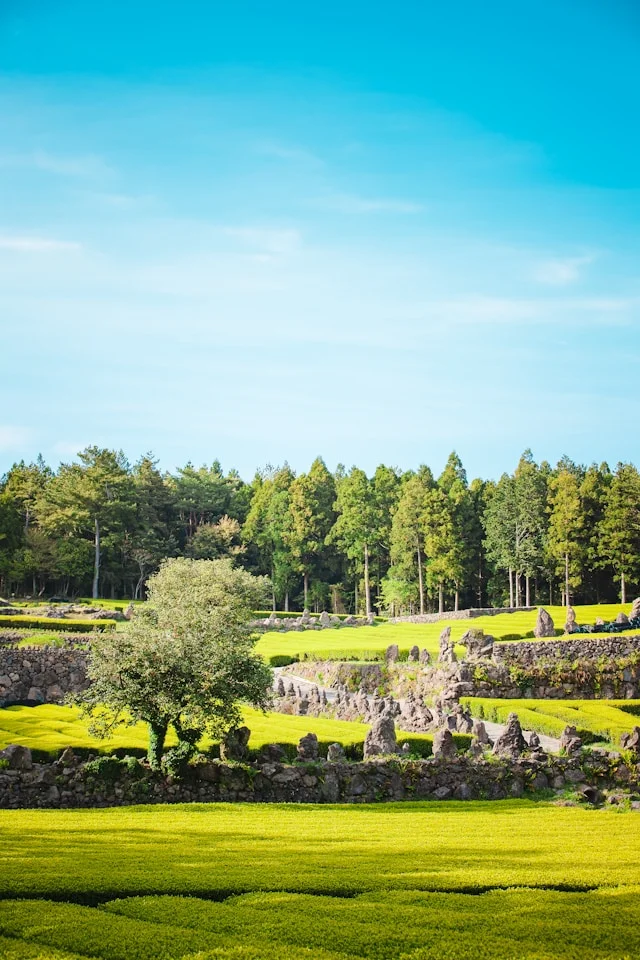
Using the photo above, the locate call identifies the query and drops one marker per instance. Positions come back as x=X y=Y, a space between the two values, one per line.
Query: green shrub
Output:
x=108 y=769
x=282 y=660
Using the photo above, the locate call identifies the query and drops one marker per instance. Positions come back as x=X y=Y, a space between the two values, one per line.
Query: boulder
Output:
x=272 y=753
x=234 y=744
x=414 y=654
x=392 y=653
x=381 y=738
x=425 y=656
x=622 y=618
x=308 y=747
x=544 y=625
x=478 y=645
x=635 y=609
x=325 y=619
x=17 y=757
x=511 y=742
x=570 y=624
x=280 y=691
x=335 y=753
x=444 y=746
x=476 y=750
x=129 y=612
x=631 y=741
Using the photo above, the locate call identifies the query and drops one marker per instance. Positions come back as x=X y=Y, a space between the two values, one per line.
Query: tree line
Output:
x=392 y=542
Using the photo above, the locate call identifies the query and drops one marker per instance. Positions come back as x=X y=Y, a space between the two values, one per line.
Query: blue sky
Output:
x=262 y=231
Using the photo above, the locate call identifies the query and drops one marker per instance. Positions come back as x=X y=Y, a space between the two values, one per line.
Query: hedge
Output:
x=57 y=623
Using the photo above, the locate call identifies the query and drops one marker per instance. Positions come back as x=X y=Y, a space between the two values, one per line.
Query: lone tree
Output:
x=186 y=660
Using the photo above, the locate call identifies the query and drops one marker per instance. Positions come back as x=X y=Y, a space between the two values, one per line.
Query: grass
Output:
x=48 y=729
x=594 y=719
x=386 y=882
x=333 y=644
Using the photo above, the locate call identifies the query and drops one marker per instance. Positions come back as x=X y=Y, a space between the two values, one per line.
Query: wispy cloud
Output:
x=561 y=272
x=269 y=240
x=289 y=152
x=352 y=203
x=89 y=166
x=14 y=437
x=27 y=244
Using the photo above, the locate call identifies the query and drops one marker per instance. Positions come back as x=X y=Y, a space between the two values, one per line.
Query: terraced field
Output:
x=361 y=642
x=388 y=882
x=48 y=729
x=594 y=719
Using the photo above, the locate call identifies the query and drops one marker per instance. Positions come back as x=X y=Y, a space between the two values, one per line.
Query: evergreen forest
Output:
x=392 y=543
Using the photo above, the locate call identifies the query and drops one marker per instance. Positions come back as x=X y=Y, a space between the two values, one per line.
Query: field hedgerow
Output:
x=594 y=719
x=389 y=882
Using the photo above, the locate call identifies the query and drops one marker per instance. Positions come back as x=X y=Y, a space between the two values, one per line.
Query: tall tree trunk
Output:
x=527 y=589
x=157 y=735
x=480 y=581
x=550 y=592
x=518 y=590
x=511 y=587
x=566 y=579
x=623 y=588
x=367 y=587
x=356 y=596
x=306 y=589
x=286 y=602
x=441 y=597
x=273 y=589
x=420 y=580
x=456 y=598
x=96 y=562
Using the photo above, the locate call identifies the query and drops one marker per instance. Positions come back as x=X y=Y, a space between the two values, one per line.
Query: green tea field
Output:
x=360 y=642
x=49 y=728
x=594 y=719
x=449 y=881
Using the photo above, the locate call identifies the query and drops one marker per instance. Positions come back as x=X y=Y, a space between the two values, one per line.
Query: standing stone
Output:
x=308 y=747
x=544 y=625
x=234 y=744
x=476 y=750
x=444 y=746
x=335 y=753
x=414 y=654
x=635 y=609
x=622 y=617
x=381 y=738
x=447 y=653
x=511 y=742
x=280 y=691
x=570 y=742
x=129 y=612
x=570 y=624
x=325 y=619
x=480 y=732
x=392 y=654
x=425 y=656
x=534 y=742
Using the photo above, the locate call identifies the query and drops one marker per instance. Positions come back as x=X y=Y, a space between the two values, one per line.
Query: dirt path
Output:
x=550 y=744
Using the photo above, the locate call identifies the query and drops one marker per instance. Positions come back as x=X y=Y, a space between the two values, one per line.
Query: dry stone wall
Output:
x=71 y=783
x=41 y=674
x=460 y=614
x=528 y=654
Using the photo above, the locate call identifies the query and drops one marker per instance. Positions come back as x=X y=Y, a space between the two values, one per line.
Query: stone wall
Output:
x=41 y=674
x=460 y=614
x=69 y=783
x=529 y=653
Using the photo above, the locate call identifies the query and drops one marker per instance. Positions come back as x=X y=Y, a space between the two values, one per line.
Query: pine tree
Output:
x=620 y=526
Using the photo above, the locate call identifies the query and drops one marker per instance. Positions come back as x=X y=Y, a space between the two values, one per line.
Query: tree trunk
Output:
x=441 y=597
x=367 y=587
x=420 y=580
x=550 y=592
x=518 y=590
x=456 y=598
x=527 y=589
x=306 y=589
x=96 y=562
x=623 y=589
x=286 y=602
x=356 y=597
x=273 y=590
x=566 y=579
x=157 y=735
x=510 y=587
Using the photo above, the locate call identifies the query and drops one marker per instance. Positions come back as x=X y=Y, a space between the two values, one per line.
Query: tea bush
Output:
x=594 y=719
